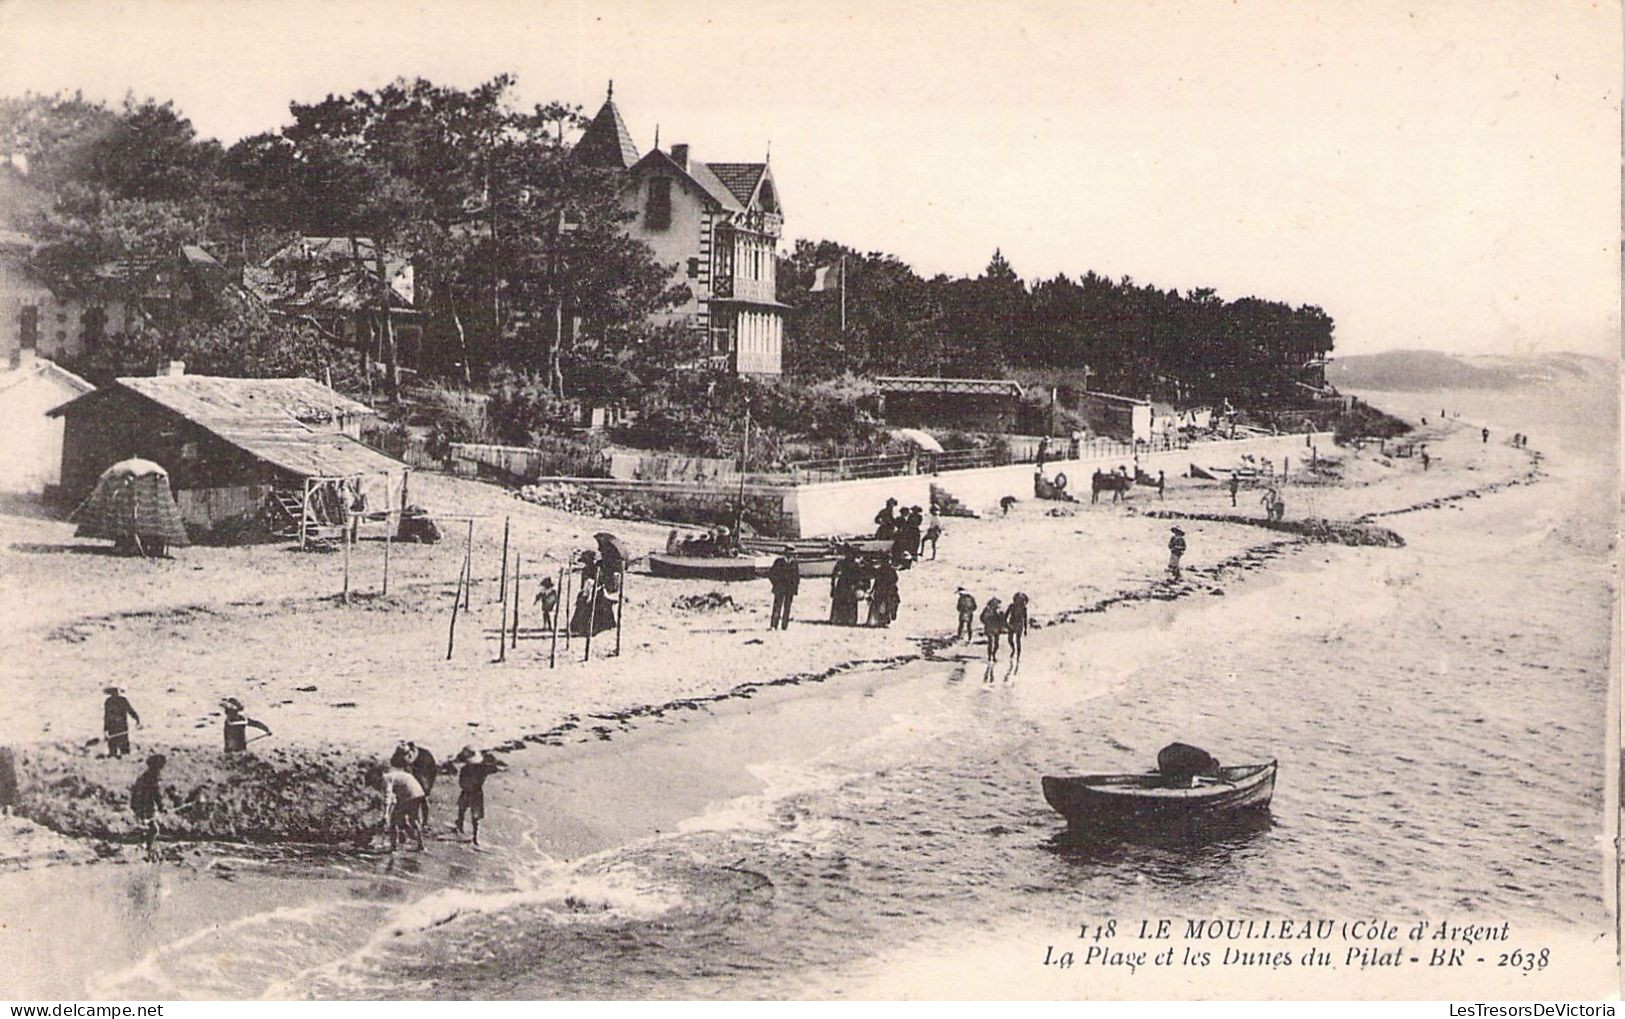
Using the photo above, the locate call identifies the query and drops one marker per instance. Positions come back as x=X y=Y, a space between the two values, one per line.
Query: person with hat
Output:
x=237 y=724
x=117 y=714
x=476 y=768
x=146 y=799
x=421 y=763
x=886 y=520
x=966 y=606
x=785 y=577
x=547 y=596
x=992 y=627
x=1016 y=623
x=1176 y=551
x=933 y=532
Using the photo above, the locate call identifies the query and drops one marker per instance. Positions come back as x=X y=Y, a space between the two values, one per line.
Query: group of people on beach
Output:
x=1010 y=622
x=858 y=579
x=409 y=779
x=119 y=716
x=910 y=529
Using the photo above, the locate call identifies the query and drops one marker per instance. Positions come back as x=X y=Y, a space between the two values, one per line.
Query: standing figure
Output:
x=966 y=605
x=1277 y=508
x=785 y=577
x=886 y=520
x=992 y=627
x=146 y=798
x=883 y=596
x=1235 y=486
x=933 y=531
x=1176 y=552
x=237 y=723
x=547 y=596
x=117 y=714
x=843 y=591
x=1162 y=483
x=1485 y=432
x=403 y=806
x=471 y=786
x=1015 y=623
x=1096 y=483
x=1426 y=460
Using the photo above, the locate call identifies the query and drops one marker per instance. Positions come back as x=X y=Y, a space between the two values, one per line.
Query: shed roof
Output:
x=50 y=370
x=954 y=387
x=285 y=422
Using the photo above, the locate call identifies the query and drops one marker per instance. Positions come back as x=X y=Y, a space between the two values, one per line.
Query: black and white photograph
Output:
x=640 y=500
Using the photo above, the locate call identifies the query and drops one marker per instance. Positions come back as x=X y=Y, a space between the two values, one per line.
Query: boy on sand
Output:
x=471 y=787
x=992 y=627
x=1176 y=552
x=1235 y=486
x=237 y=724
x=403 y=805
x=547 y=596
x=117 y=714
x=1015 y=623
x=145 y=802
x=967 y=616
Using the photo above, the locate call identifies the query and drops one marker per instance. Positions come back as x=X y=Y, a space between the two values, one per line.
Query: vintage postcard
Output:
x=1001 y=500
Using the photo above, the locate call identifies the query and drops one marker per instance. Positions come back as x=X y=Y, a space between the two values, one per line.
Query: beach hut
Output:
x=132 y=506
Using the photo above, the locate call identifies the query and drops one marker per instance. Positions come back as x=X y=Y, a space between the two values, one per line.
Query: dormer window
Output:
x=657 y=211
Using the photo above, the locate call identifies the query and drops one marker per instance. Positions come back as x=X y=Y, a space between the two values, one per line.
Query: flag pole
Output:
x=843 y=293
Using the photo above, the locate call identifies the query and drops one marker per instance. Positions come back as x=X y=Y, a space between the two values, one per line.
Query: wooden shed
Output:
x=976 y=405
x=233 y=447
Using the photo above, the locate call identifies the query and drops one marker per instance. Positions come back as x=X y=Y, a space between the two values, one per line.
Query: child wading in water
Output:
x=471 y=786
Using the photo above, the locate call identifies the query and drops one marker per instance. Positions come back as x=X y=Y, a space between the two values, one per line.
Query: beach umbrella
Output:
x=612 y=550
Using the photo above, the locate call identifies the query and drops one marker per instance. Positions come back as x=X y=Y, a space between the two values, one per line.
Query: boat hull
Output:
x=720 y=568
x=1147 y=803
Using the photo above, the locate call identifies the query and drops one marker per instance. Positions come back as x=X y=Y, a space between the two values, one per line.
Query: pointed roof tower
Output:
x=607 y=142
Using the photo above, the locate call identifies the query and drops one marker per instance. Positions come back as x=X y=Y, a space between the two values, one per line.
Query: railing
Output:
x=854 y=468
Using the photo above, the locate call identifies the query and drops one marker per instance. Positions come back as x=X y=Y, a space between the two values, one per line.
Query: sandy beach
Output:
x=620 y=753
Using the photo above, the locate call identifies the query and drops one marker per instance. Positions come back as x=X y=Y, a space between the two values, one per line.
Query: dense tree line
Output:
x=516 y=248
x=1132 y=339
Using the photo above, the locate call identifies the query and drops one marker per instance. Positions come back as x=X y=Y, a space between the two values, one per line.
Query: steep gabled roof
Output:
x=607 y=142
x=46 y=370
x=740 y=178
x=699 y=174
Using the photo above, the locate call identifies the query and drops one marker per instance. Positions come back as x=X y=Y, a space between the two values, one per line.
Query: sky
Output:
x=1441 y=174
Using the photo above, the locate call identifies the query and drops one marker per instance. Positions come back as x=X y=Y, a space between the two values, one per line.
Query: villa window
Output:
x=657 y=211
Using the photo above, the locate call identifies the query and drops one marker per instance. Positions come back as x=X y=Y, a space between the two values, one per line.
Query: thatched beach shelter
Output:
x=132 y=506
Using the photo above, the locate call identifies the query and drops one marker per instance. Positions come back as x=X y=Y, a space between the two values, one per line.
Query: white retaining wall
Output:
x=849 y=507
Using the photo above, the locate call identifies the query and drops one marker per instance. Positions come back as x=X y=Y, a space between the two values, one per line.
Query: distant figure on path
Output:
x=1015 y=623
x=471 y=786
x=785 y=578
x=145 y=801
x=1235 y=486
x=1486 y=434
x=1426 y=459
x=117 y=714
x=966 y=605
x=992 y=626
x=1162 y=483
x=403 y=806
x=237 y=723
x=8 y=780
x=1005 y=504
x=547 y=596
x=1277 y=508
x=1176 y=552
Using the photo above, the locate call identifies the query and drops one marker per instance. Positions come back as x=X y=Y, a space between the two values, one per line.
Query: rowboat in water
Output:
x=720 y=568
x=1157 y=802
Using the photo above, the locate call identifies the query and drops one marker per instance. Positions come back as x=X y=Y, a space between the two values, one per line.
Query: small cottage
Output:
x=234 y=448
x=31 y=456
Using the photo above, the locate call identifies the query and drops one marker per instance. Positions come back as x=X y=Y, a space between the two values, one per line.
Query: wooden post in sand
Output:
x=553 y=651
x=388 y=533
x=456 y=601
x=502 y=625
x=620 y=609
x=514 y=633
x=502 y=592
x=346 y=592
x=567 y=606
x=468 y=563
x=590 y=591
